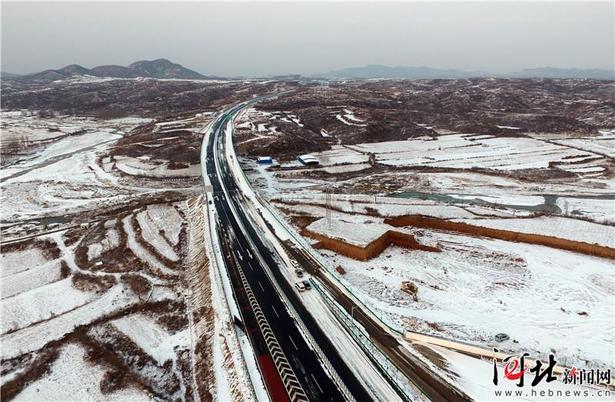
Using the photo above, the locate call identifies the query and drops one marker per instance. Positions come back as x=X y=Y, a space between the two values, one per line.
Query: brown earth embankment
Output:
x=508 y=235
x=372 y=249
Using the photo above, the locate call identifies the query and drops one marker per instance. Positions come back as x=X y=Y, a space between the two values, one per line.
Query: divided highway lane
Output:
x=285 y=358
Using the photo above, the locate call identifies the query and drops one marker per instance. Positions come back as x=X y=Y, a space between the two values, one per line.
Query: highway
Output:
x=430 y=384
x=291 y=369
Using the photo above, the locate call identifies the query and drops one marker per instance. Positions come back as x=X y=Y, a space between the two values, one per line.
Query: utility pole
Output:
x=328 y=207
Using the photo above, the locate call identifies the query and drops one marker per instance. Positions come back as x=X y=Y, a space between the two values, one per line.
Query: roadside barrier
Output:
x=403 y=384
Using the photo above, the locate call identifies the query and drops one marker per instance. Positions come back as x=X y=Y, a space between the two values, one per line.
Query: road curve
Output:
x=432 y=385
x=291 y=370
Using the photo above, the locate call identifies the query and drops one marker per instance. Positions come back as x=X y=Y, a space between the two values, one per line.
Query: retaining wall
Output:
x=372 y=249
x=462 y=227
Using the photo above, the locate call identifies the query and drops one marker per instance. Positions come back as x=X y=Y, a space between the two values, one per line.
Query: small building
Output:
x=308 y=160
x=264 y=160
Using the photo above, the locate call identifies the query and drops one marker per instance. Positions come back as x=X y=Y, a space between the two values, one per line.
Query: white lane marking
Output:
x=293 y=342
x=275 y=312
x=317 y=384
x=250 y=265
x=261 y=285
x=224 y=212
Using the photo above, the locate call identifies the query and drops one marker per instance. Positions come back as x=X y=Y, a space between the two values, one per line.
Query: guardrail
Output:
x=314 y=255
x=219 y=271
x=403 y=384
x=325 y=265
x=311 y=341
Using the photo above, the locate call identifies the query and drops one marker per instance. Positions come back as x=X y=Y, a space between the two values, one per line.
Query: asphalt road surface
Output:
x=264 y=315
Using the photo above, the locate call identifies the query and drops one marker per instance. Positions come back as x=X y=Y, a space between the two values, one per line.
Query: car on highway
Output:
x=300 y=286
x=307 y=285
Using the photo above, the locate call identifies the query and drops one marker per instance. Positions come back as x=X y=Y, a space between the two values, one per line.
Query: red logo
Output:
x=511 y=367
x=515 y=369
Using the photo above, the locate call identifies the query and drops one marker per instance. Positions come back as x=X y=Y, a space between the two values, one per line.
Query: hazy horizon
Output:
x=252 y=39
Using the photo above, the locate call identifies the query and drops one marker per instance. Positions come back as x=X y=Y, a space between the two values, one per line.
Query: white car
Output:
x=300 y=286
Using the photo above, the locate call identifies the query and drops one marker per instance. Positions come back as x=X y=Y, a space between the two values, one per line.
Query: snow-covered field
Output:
x=141 y=252
x=582 y=157
x=476 y=287
x=340 y=155
x=94 y=304
x=38 y=334
x=509 y=189
x=467 y=151
x=543 y=298
x=60 y=150
x=262 y=130
x=474 y=377
x=151 y=338
x=28 y=127
x=49 y=185
x=30 y=279
x=598 y=210
x=600 y=145
x=71 y=378
x=40 y=304
x=111 y=241
x=61 y=177
x=351 y=229
x=83 y=290
x=137 y=167
x=565 y=228
x=348 y=118
x=42 y=140
x=14 y=262
x=165 y=218
x=384 y=206
x=346 y=168
x=151 y=233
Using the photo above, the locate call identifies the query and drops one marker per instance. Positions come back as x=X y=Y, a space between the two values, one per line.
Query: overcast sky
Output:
x=276 y=38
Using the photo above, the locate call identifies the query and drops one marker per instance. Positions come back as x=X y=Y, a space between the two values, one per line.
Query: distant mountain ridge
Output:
x=159 y=68
x=6 y=75
x=382 y=71
x=553 y=72
x=163 y=68
x=406 y=72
